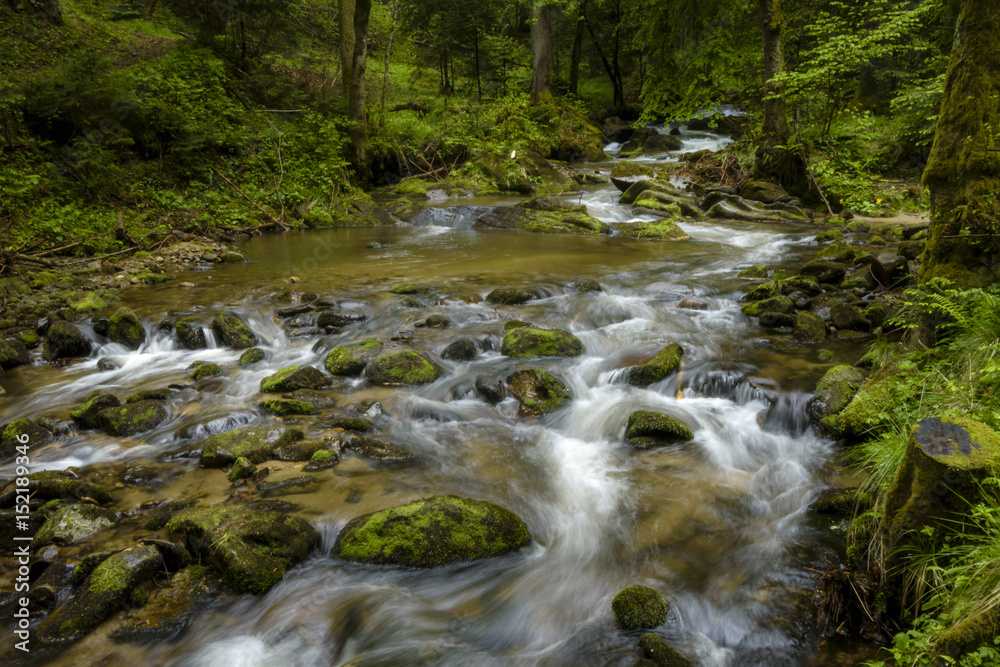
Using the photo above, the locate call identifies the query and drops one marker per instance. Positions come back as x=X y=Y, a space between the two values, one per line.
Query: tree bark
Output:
x=388 y=52
x=354 y=17
x=963 y=170
x=541 y=47
x=775 y=115
x=574 y=60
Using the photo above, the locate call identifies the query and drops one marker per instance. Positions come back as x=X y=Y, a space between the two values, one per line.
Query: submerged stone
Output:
x=73 y=522
x=655 y=649
x=351 y=359
x=639 y=608
x=527 y=342
x=432 y=533
x=647 y=429
x=252 y=549
x=402 y=367
x=658 y=368
x=538 y=392
x=256 y=444
x=370 y=448
x=292 y=378
x=169 y=611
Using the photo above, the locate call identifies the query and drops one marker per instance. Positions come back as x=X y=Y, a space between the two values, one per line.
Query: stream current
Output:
x=719 y=525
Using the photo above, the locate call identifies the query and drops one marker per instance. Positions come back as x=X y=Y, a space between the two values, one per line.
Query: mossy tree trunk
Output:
x=963 y=170
x=577 y=54
x=354 y=18
x=542 y=59
x=775 y=114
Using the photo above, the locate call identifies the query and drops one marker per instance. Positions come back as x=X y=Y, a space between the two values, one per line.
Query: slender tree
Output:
x=542 y=59
x=577 y=53
x=354 y=18
x=963 y=170
x=775 y=116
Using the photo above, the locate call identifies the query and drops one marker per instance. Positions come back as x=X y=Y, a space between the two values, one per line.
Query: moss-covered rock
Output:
x=288 y=406
x=289 y=487
x=125 y=328
x=251 y=356
x=876 y=314
x=647 y=429
x=253 y=549
x=833 y=393
x=170 y=610
x=299 y=451
x=463 y=349
x=12 y=432
x=659 y=652
x=64 y=341
x=233 y=331
x=204 y=370
x=588 y=285
x=775 y=304
x=13 y=353
x=529 y=342
x=540 y=222
x=756 y=272
x=370 y=448
x=85 y=414
x=630 y=169
x=90 y=302
x=432 y=533
x=131 y=419
x=763 y=191
x=321 y=460
x=845 y=316
x=510 y=325
x=658 y=368
x=402 y=367
x=352 y=424
x=149 y=395
x=824 y=271
x=242 y=469
x=351 y=359
x=292 y=378
x=661 y=230
x=190 y=335
x=105 y=591
x=255 y=443
x=639 y=608
x=870 y=409
x=809 y=328
x=509 y=296
x=410 y=288
x=538 y=392
x=54 y=485
x=73 y=522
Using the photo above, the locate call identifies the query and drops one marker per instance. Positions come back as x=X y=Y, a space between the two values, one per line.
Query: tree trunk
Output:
x=388 y=52
x=574 y=60
x=616 y=83
x=541 y=63
x=963 y=170
x=775 y=116
x=354 y=16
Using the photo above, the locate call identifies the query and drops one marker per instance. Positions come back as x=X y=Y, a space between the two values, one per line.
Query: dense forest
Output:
x=131 y=126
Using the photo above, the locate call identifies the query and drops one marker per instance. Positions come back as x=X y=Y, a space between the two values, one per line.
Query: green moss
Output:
x=872 y=408
x=838 y=252
x=528 y=342
x=658 y=368
x=29 y=338
x=90 y=302
x=829 y=235
x=125 y=328
x=774 y=304
x=538 y=392
x=256 y=444
x=205 y=370
x=287 y=406
x=662 y=230
x=242 y=469
x=756 y=272
x=150 y=278
x=322 y=456
x=510 y=325
x=251 y=356
x=233 y=331
x=410 y=288
x=413 y=186
x=353 y=424
x=85 y=414
x=660 y=653
x=631 y=169
x=292 y=378
x=639 y=608
x=649 y=429
x=149 y=395
x=402 y=367
x=432 y=533
x=809 y=328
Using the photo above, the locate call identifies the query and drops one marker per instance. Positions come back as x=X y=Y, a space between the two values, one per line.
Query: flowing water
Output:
x=719 y=524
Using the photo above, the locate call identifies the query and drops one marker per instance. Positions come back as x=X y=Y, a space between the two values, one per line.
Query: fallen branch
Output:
x=255 y=204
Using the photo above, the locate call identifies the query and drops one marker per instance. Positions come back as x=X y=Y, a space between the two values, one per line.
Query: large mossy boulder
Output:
x=518 y=218
x=64 y=341
x=348 y=360
x=233 y=331
x=658 y=368
x=252 y=549
x=809 y=328
x=431 y=533
x=764 y=191
x=125 y=328
x=73 y=522
x=529 y=342
x=646 y=429
x=871 y=408
x=833 y=393
x=13 y=353
x=255 y=443
x=402 y=367
x=293 y=378
x=639 y=608
x=538 y=392
x=108 y=588
x=14 y=432
x=131 y=419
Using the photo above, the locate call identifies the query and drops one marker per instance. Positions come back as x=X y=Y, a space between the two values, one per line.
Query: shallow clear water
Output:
x=718 y=524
